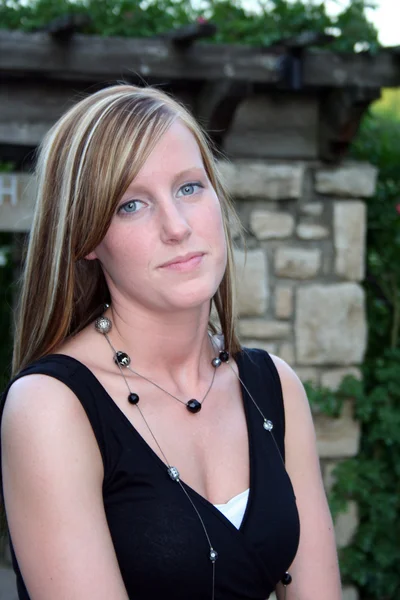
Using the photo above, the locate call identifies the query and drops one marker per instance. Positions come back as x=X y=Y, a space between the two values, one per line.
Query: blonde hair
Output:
x=85 y=164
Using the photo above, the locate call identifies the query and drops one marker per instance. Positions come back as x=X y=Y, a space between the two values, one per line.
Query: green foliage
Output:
x=378 y=143
x=389 y=104
x=372 y=479
x=269 y=21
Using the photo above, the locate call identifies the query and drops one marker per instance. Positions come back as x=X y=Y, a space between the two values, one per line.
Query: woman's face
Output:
x=165 y=249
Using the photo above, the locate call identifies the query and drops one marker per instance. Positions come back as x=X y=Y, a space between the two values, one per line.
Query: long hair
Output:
x=85 y=164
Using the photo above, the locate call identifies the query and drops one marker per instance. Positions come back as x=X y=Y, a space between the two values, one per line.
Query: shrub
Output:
x=266 y=23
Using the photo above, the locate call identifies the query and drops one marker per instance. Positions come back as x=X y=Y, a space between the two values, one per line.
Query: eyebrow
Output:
x=139 y=187
x=186 y=172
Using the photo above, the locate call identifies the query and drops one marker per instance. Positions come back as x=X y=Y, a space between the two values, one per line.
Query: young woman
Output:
x=145 y=454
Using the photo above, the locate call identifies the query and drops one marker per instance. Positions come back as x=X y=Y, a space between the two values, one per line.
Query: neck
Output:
x=174 y=347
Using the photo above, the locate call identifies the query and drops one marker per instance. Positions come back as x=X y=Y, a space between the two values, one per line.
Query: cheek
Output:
x=121 y=250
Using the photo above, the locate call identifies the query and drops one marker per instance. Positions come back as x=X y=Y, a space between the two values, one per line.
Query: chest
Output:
x=151 y=519
x=210 y=448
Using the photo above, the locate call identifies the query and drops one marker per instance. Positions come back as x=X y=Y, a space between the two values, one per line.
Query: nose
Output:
x=175 y=227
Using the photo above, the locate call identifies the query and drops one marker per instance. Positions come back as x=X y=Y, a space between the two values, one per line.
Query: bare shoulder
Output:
x=37 y=396
x=41 y=414
x=294 y=395
x=52 y=474
x=38 y=388
x=299 y=426
x=286 y=372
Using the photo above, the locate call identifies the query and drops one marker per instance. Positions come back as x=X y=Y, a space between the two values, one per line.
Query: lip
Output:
x=181 y=260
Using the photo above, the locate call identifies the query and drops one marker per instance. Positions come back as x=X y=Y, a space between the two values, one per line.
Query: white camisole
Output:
x=235 y=508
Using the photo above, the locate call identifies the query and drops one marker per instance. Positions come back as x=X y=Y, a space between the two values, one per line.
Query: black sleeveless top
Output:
x=158 y=538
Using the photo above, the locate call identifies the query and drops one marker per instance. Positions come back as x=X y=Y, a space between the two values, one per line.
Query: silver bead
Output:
x=103 y=325
x=268 y=425
x=216 y=362
x=213 y=555
x=173 y=473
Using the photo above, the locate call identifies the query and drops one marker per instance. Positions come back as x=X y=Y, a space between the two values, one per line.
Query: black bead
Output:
x=133 y=398
x=224 y=355
x=122 y=359
x=286 y=579
x=193 y=406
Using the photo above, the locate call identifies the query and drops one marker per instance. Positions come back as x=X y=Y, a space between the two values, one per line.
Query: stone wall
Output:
x=299 y=289
x=299 y=282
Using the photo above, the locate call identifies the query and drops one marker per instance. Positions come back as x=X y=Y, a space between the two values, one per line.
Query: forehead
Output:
x=176 y=150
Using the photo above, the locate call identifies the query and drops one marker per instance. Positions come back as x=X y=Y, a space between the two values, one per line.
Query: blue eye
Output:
x=130 y=207
x=189 y=189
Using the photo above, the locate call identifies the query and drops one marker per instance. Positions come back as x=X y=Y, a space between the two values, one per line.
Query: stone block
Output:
x=330 y=325
x=349 y=223
x=312 y=209
x=333 y=378
x=259 y=179
x=354 y=180
x=260 y=329
x=310 y=231
x=235 y=226
x=337 y=437
x=297 y=263
x=286 y=352
x=328 y=475
x=349 y=592
x=270 y=347
x=346 y=524
x=8 y=588
x=267 y=224
x=307 y=374
x=253 y=285
x=283 y=301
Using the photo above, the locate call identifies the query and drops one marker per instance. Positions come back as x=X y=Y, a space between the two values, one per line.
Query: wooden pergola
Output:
x=318 y=96
x=42 y=73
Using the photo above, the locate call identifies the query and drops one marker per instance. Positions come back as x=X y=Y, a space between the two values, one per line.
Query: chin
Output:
x=196 y=298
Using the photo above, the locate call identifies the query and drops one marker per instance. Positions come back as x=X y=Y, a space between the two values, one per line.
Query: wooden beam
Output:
x=217 y=103
x=327 y=69
x=341 y=112
x=28 y=108
x=95 y=58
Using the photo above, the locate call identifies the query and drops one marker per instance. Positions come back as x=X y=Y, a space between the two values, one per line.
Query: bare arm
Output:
x=315 y=569
x=52 y=474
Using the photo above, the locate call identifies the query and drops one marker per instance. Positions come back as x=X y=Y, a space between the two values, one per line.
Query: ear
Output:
x=91 y=256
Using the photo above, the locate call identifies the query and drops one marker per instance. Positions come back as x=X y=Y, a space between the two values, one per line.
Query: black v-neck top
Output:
x=158 y=538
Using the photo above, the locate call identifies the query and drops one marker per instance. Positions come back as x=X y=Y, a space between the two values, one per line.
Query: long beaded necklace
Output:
x=122 y=360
